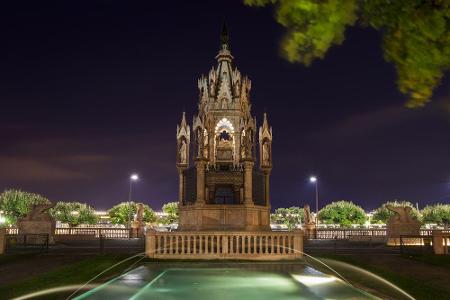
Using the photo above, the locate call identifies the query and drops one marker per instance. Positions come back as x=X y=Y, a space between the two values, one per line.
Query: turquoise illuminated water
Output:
x=259 y=281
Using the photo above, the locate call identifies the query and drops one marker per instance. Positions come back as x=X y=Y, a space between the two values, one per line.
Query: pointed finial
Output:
x=183 y=119
x=224 y=36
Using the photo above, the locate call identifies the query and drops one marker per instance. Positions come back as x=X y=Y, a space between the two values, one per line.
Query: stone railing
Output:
x=224 y=245
x=109 y=233
x=342 y=234
x=12 y=230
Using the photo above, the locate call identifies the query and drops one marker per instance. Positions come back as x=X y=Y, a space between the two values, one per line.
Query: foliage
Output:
x=291 y=217
x=16 y=204
x=171 y=211
x=438 y=214
x=344 y=213
x=74 y=213
x=416 y=35
x=382 y=214
x=124 y=212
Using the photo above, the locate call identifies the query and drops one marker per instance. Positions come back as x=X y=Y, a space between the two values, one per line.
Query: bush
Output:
x=16 y=204
x=124 y=212
x=344 y=213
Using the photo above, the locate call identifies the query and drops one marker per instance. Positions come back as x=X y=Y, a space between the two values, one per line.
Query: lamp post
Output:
x=313 y=179
x=133 y=177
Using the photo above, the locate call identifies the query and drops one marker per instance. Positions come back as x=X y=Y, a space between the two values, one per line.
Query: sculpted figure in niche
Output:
x=266 y=154
x=182 y=152
x=199 y=142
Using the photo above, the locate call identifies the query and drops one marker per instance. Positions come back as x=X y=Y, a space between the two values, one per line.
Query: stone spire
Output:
x=224 y=36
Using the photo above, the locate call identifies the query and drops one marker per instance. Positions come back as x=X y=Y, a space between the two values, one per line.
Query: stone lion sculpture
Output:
x=402 y=214
x=39 y=212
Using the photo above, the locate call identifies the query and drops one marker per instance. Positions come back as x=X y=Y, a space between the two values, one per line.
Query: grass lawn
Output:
x=420 y=275
x=75 y=273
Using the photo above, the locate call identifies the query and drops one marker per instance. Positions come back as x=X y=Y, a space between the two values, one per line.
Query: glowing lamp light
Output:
x=313 y=280
x=134 y=177
x=313 y=179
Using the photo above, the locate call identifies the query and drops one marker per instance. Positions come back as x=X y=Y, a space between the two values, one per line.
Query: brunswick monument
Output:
x=222 y=184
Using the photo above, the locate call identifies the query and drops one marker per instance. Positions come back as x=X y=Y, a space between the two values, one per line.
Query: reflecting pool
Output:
x=220 y=281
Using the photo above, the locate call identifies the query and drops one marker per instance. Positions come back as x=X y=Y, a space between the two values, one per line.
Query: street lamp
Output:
x=313 y=179
x=133 y=177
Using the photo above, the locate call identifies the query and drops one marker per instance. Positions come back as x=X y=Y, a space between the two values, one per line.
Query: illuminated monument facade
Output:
x=223 y=161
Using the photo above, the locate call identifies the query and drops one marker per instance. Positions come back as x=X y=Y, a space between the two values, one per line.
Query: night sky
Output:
x=92 y=91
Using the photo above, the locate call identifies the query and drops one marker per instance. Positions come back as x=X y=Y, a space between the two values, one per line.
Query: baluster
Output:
x=206 y=244
x=182 y=244
x=194 y=244
x=189 y=240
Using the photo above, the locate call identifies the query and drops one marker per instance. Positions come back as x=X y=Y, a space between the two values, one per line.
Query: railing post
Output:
x=150 y=243
x=2 y=240
x=438 y=242
x=298 y=243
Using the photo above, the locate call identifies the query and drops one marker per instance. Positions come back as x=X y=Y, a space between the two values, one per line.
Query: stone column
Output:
x=150 y=243
x=248 y=183
x=267 y=188
x=200 y=166
x=180 y=186
x=2 y=240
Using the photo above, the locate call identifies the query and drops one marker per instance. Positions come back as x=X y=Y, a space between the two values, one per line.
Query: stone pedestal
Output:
x=397 y=229
x=438 y=242
x=137 y=230
x=309 y=230
x=224 y=217
x=2 y=240
x=43 y=228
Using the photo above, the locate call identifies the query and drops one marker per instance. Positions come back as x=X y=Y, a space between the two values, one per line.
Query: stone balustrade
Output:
x=224 y=245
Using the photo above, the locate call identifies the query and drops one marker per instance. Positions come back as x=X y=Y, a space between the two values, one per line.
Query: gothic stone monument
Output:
x=38 y=223
x=401 y=223
x=223 y=189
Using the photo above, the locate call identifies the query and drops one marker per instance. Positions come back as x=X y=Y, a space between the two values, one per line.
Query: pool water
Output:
x=229 y=281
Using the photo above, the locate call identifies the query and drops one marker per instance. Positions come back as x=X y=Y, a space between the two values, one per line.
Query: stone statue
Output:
x=307 y=214
x=39 y=223
x=401 y=224
x=39 y=212
x=309 y=226
x=182 y=152
x=139 y=213
x=402 y=214
x=138 y=225
x=266 y=154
